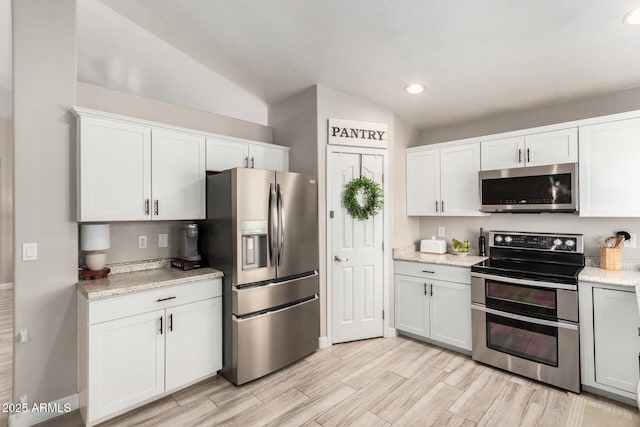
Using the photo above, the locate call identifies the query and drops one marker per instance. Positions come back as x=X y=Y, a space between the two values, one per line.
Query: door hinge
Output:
x=330 y=214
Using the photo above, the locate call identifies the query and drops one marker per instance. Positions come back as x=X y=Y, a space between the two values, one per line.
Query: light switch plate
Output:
x=29 y=251
x=163 y=240
x=142 y=242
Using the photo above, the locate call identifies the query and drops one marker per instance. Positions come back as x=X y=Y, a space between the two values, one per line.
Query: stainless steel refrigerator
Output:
x=262 y=232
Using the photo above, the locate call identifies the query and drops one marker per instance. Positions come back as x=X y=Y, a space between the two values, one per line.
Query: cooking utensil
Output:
x=610 y=242
x=619 y=241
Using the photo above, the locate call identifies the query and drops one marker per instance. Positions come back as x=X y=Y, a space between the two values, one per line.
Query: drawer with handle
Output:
x=433 y=271
x=140 y=302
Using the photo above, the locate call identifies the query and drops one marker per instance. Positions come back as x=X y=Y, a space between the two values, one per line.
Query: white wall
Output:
x=116 y=53
x=44 y=41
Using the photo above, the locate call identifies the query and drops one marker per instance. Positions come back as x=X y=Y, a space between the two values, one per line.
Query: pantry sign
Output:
x=358 y=134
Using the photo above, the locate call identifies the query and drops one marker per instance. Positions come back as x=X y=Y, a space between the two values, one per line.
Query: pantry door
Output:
x=357 y=263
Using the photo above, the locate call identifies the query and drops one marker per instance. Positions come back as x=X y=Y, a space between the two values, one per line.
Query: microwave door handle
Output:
x=282 y=223
x=273 y=224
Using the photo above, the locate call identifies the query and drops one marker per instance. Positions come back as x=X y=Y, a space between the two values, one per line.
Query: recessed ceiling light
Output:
x=633 y=17
x=414 y=88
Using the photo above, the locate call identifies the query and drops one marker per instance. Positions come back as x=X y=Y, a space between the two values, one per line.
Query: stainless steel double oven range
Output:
x=524 y=302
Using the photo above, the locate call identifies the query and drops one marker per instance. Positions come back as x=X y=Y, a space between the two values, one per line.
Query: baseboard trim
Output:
x=390 y=333
x=323 y=342
x=49 y=411
x=6 y=286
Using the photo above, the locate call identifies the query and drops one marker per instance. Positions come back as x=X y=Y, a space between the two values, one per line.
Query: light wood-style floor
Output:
x=379 y=382
x=6 y=350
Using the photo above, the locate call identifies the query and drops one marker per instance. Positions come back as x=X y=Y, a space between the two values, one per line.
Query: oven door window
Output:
x=526 y=300
x=531 y=341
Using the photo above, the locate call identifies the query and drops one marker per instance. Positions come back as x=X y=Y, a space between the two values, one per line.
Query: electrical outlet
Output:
x=440 y=231
x=631 y=243
x=163 y=240
x=142 y=242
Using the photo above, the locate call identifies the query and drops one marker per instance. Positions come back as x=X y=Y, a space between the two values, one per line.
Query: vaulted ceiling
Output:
x=476 y=58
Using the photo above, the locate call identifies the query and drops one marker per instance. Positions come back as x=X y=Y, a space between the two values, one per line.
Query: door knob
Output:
x=340 y=259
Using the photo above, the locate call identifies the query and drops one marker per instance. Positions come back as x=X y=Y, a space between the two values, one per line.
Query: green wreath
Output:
x=373 y=197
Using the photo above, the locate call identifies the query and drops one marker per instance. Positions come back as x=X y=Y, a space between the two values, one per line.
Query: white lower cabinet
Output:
x=128 y=358
x=128 y=362
x=188 y=355
x=436 y=309
x=610 y=345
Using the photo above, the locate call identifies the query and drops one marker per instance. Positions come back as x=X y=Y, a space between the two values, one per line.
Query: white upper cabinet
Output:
x=423 y=182
x=548 y=148
x=502 y=153
x=131 y=171
x=459 y=166
x=114 y=170
x=269 y=157
x=227 y=153
x=544 y=148
x=178 y=175
x=443 y=181
x=609 y=172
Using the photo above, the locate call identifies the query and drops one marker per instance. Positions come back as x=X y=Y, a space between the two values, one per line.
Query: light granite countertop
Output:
x=136 y=281
x=408 y=253
x=629 y=278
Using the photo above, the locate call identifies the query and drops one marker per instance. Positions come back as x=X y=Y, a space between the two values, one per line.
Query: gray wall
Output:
x=593 y=106
x=6 y=200
x=583 y=108
x=124 y=235
x=404 y=230
x=6 y=145
x=103 y=99
x=44 y=39
x=335 y=104
x=294 y=123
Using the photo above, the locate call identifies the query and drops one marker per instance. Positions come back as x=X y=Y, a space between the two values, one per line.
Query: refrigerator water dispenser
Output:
x=254 y=244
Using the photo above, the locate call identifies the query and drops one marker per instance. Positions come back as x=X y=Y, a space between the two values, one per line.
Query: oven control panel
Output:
x=539 y=241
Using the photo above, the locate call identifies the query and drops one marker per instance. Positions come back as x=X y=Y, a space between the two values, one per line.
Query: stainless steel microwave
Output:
x=551 y=188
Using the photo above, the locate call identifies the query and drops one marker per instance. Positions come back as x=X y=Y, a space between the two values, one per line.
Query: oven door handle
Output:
x=563 y=325
x=525 y=282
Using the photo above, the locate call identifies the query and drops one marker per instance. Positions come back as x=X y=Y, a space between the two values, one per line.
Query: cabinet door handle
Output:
x=433 y=272
x=160 y=325
x=171 y=322
x=442 y=206
x=431 y=289
x=156 y=208
x=246 y=162
x=425 y=288
x=519 y=155
x=436 y=206
x=146 y=207
x=528 y=155
x=165 y=299
x=253 y=163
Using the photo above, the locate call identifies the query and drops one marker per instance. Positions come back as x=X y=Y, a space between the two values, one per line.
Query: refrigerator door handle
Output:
x=273 y=224
x=282 y=224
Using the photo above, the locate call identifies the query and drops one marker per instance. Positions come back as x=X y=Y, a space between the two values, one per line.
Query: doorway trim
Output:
x=386 y=251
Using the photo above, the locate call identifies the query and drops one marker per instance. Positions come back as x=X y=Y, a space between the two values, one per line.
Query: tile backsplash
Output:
x=468 y=228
